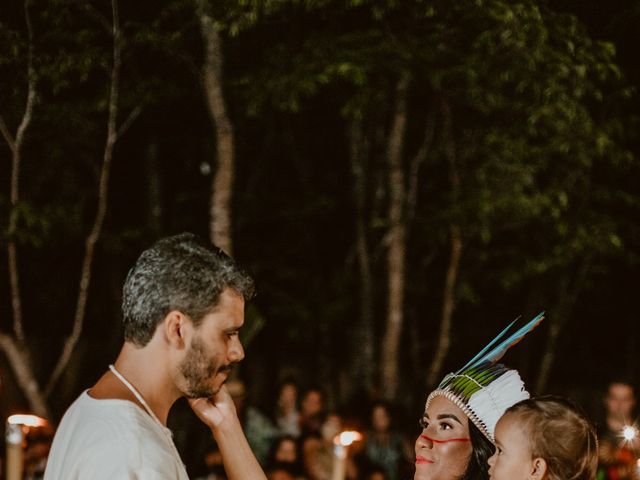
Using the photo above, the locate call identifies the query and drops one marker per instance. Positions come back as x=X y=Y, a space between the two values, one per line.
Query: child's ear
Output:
x=538 y=468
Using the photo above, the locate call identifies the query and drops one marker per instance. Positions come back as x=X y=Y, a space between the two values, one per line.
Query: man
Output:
x=183 y=306
x=618 y=449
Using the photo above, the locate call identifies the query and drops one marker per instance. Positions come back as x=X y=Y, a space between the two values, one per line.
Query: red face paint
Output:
x=433 y=440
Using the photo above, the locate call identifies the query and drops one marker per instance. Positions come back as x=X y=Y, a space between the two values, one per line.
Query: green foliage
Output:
x=540 y=129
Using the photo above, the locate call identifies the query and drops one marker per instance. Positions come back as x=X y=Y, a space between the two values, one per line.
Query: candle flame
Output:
x=27 y=420
x=347 y=438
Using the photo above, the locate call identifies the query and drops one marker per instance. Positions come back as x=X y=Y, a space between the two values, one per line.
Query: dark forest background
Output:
x=409 y=176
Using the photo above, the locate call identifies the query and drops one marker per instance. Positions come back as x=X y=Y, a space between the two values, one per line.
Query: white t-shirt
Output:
x=111 y=440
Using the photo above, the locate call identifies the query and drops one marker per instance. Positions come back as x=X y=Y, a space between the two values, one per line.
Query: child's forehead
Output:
x=511 y=425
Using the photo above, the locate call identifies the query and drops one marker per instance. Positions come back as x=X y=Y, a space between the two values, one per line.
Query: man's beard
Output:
x=198 y=369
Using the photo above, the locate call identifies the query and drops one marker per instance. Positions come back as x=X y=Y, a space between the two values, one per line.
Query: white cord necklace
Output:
x=138 y=395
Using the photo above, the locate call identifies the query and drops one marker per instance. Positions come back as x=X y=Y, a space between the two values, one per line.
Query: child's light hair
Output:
x=560 y=433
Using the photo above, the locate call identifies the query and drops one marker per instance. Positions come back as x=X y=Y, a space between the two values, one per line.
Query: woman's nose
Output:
x=423 y=441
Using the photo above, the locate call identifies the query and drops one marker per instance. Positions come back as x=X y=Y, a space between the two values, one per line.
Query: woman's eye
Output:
x=423 y=423
x=445 y=426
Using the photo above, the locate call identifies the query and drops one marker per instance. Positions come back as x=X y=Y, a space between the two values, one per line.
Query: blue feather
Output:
x=489 y=345
x=497 y=352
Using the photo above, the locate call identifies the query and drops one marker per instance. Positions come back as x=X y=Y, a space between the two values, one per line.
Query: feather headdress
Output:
x=484 y=389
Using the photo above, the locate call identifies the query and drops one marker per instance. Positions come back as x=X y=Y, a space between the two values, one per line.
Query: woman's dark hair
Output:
x=478 y=467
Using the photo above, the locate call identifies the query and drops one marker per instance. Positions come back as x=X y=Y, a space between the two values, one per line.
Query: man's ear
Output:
x=538 y=468
x=176 y=325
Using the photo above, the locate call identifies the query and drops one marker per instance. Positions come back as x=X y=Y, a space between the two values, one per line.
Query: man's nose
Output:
x=236 y=352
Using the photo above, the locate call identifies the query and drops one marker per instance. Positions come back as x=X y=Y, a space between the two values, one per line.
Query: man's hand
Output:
x=215 y=410
x=219 y=414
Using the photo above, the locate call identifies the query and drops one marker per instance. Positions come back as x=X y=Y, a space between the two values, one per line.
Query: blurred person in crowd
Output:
x=317 y=451
x=183 y=306
x=214 y=465
x=374 y=473
x=286 y=414
x=36 y=450
x=281 y=472
x=311 y=411
x=258 y=428
x=618 y=435
x=285 y=453
x=383 y=445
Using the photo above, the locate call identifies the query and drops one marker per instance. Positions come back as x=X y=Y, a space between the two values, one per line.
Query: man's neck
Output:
x=147 y=371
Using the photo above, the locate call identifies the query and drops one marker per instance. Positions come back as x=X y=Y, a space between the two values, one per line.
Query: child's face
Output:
x=512 y=459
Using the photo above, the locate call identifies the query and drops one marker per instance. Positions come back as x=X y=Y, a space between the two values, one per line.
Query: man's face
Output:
x=620 y=401
x=215 y=348
x=444 y=448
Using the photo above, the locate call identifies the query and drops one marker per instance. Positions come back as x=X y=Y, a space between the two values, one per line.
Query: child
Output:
x=544 y=438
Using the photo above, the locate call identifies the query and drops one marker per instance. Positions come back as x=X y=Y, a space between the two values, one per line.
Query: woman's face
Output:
x=286 y=451
x=380 y=419
x=443 y=449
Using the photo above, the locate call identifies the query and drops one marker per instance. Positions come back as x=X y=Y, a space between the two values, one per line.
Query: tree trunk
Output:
x=448 y=306
x=362 y=372
x=16 y=350
x=154 y=189
x=103 y=195
x=15 y=146
x=557 y=319
x=222 y=182
x=455 y=234
x=396 y=252
x=21 y=365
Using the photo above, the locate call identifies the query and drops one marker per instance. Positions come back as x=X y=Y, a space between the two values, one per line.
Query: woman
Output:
x=384 y=446
x=461 y=414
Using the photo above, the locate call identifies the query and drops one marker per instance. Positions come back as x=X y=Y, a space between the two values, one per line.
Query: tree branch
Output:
x=90 y=242
x=135 y=113
x=415 y=164
x=7 y=135
x=448 y=299
x=16 y=161
x=20 y=361
x=94 y=14
x=363 y=360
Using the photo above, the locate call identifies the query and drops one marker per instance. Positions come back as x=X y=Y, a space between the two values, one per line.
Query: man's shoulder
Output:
x=88 y=413
x=103 y=435
x=91 y=426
